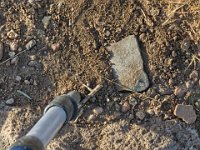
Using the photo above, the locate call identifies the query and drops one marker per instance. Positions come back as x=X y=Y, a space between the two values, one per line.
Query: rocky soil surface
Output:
x=48 y=48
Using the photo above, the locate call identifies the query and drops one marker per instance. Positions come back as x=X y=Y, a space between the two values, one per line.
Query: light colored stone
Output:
x=11 y=54
x=14 y=61
x=27 y=82
x=185 y=112
x=18 y=78
x=133 y=102
x=180 y=91
x=10 y=101
x=98 y=110
x=45 y=21
x=128 y=65
x=55 y=46
x=194 y=74
x=12 y=34
x=140 y=115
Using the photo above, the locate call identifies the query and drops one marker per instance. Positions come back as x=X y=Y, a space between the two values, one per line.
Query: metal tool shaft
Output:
x=47 y=127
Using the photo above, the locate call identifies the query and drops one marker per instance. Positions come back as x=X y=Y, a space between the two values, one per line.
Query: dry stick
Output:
x=13 y=57
x=91 y=94
x=173 y=12
x=17 y=55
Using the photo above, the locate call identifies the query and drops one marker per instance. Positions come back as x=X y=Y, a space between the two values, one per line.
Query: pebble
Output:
x=165 y=91
x=14 y=46
x=189 y=84
x=45 y=21
x=133 y=102
x=140 y=115
x=197 y=103
x=1 y=50
x=171 y=82
x=27 y=82
x=14 y=61
x=193 y=75
x=98 y=110
x=180 y=91
x=10 y=101
x=12 y=34
x=18 y=78
x=11 y=54
x=55 y=46
x=127 y=61
x=125 y=107
x=34 y=63
x=185 y=112
x=150 y=111
x=30 y=44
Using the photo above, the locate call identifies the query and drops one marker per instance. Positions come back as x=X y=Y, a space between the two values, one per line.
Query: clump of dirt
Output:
x=71 y=52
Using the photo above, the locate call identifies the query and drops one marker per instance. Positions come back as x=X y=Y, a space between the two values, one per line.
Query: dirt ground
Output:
x=71 y=51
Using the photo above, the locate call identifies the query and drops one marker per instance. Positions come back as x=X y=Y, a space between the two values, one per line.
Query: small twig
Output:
x=170 y=15
x=89 y=89
x=24 y=94
x=91 y=94
x=12 y=57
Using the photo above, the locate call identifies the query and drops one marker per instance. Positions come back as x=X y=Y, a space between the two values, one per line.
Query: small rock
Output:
x=126 y=107
x=27 y=82
x=128 y=65
x=45 y=21
x=140 y=115
x=14 y=46
x=14 y=61
x=133 y=102
x=10 y=101
x=98 y=110
x=180 y=91
x=35 y=83
x=55 y=46
x=150 y=111
x=185 y=112
x=11 y=54
x=194 y=75
x=1 y=50
x=34 y=63
x=12 y=34
x=30 y=44
x=171 y=82
x=18 y=78
x=107 y=33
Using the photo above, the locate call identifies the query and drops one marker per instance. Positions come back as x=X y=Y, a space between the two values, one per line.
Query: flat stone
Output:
x=10 y=101
x=185 y=112
x=45 y=21
x=128 y=65
x=31 y=44
x=180 y=91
